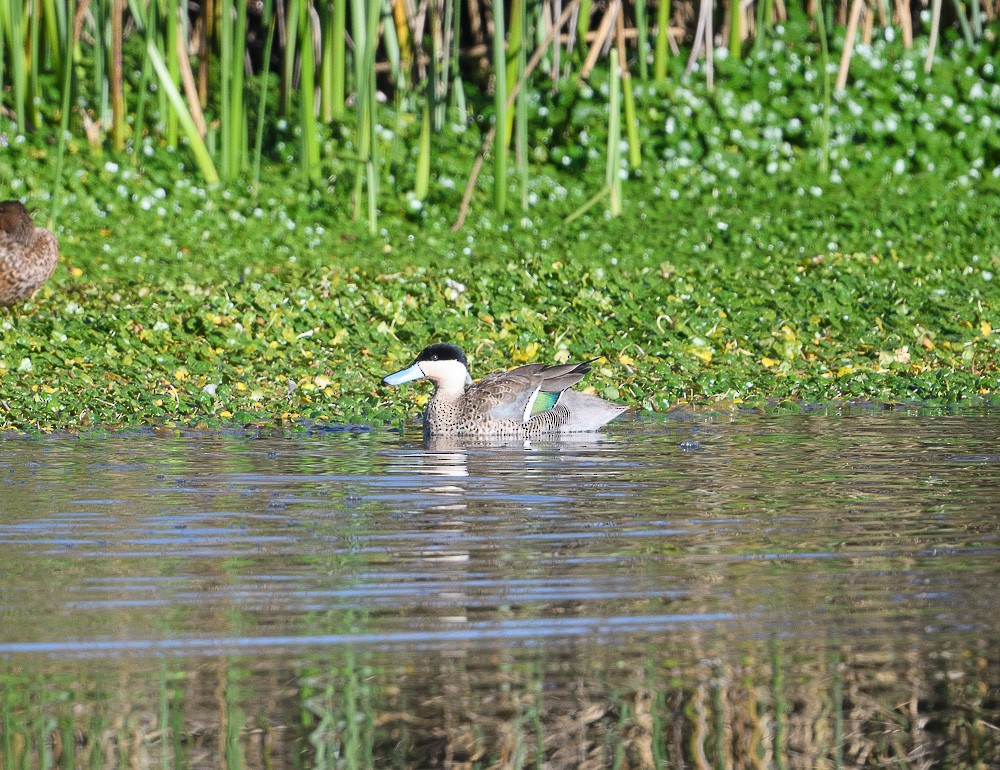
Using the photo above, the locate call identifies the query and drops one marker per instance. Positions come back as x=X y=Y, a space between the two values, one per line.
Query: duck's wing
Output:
x=526 y=391
x=23 y=268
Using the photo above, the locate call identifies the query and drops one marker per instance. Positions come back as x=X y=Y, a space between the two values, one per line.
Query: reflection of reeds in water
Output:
x=490 y=709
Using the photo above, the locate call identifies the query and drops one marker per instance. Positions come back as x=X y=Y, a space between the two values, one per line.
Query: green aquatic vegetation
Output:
x=737 y=273
x=166 y=312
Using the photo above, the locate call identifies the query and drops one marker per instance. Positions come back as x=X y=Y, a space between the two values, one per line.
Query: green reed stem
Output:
x=441 y=109
x=765 y=12
x=307 y=96
x=735 y=28
x=291 y=47
x=54 y=15
x=147 y=24
x=226 y=89
x=433 y=74
x=662 y=54
x=963 y=22
x=100 y=65
x=521 y=106
x=500 y=100
x=824 y=164
x=423 y=176
x=642 y=38
x=582 y=28
x=326 y=46
x=66 y=97
x=34 y=86
x=515 y=42
x=201 y=154
x=374 y=11
x=262 y=108
x=11 y=22
x=457 y=87
x=358 y=19
x=631 y=123
x=613 y=175
x=237 y=102
x=338 y=60
x=977 y=19
x=173 y=67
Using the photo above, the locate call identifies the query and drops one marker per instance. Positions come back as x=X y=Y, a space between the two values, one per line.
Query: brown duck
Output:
x=28 y=254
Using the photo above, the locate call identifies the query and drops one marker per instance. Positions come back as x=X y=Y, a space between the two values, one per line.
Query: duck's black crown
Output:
x=442 y=351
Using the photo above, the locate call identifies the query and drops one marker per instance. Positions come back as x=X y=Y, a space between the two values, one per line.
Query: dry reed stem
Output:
x=603 y=32
x=852 y=32
x=117 y=93
x=703 y=39
x=187 y=80
x=866 y=32
x=905 y=22
x=935 y=30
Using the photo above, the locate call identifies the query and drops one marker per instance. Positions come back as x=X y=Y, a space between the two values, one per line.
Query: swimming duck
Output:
x=28 y=254
x=528 y=401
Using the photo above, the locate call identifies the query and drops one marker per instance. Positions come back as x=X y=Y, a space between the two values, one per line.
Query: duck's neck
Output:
x=449 y=391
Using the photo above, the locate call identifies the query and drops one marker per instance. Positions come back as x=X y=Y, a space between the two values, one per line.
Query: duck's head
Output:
x=15 y=220
x=443 y=364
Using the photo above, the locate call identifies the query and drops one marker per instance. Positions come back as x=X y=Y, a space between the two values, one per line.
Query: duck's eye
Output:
x=434 y=358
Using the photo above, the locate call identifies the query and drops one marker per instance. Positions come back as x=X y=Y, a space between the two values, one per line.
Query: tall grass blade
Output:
x=54 y=14
x=307 y=93
x=457 y=87
x=583 y=25
x=662 y=54
x=515 y=42
x=237 y=108
x=450 y=43
x=147 y=25
x=226 y=89
x=977 y=19
x=11 y=22
x=765 y=16
x=374 y=12
x=173 y=65
x=423 y=176
x=66 y=96
x=339 y=57
x=201 y=154
x=735 y=28
x=521 y=105
x=262 y=108
x=642 y=39
x=358 y=20
x=820 y=16
x=291 y=48
x=500 y=99
x=963 y=23
x=628 y=94
x=613 y=175
x=34 y=66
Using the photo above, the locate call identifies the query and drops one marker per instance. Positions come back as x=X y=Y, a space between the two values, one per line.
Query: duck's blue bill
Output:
x=403 y=375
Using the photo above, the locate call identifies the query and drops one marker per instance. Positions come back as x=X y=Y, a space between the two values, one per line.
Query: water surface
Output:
x=790 y=591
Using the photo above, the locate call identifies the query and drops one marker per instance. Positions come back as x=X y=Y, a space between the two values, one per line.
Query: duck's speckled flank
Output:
x=504 y=404
x=28 y=254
